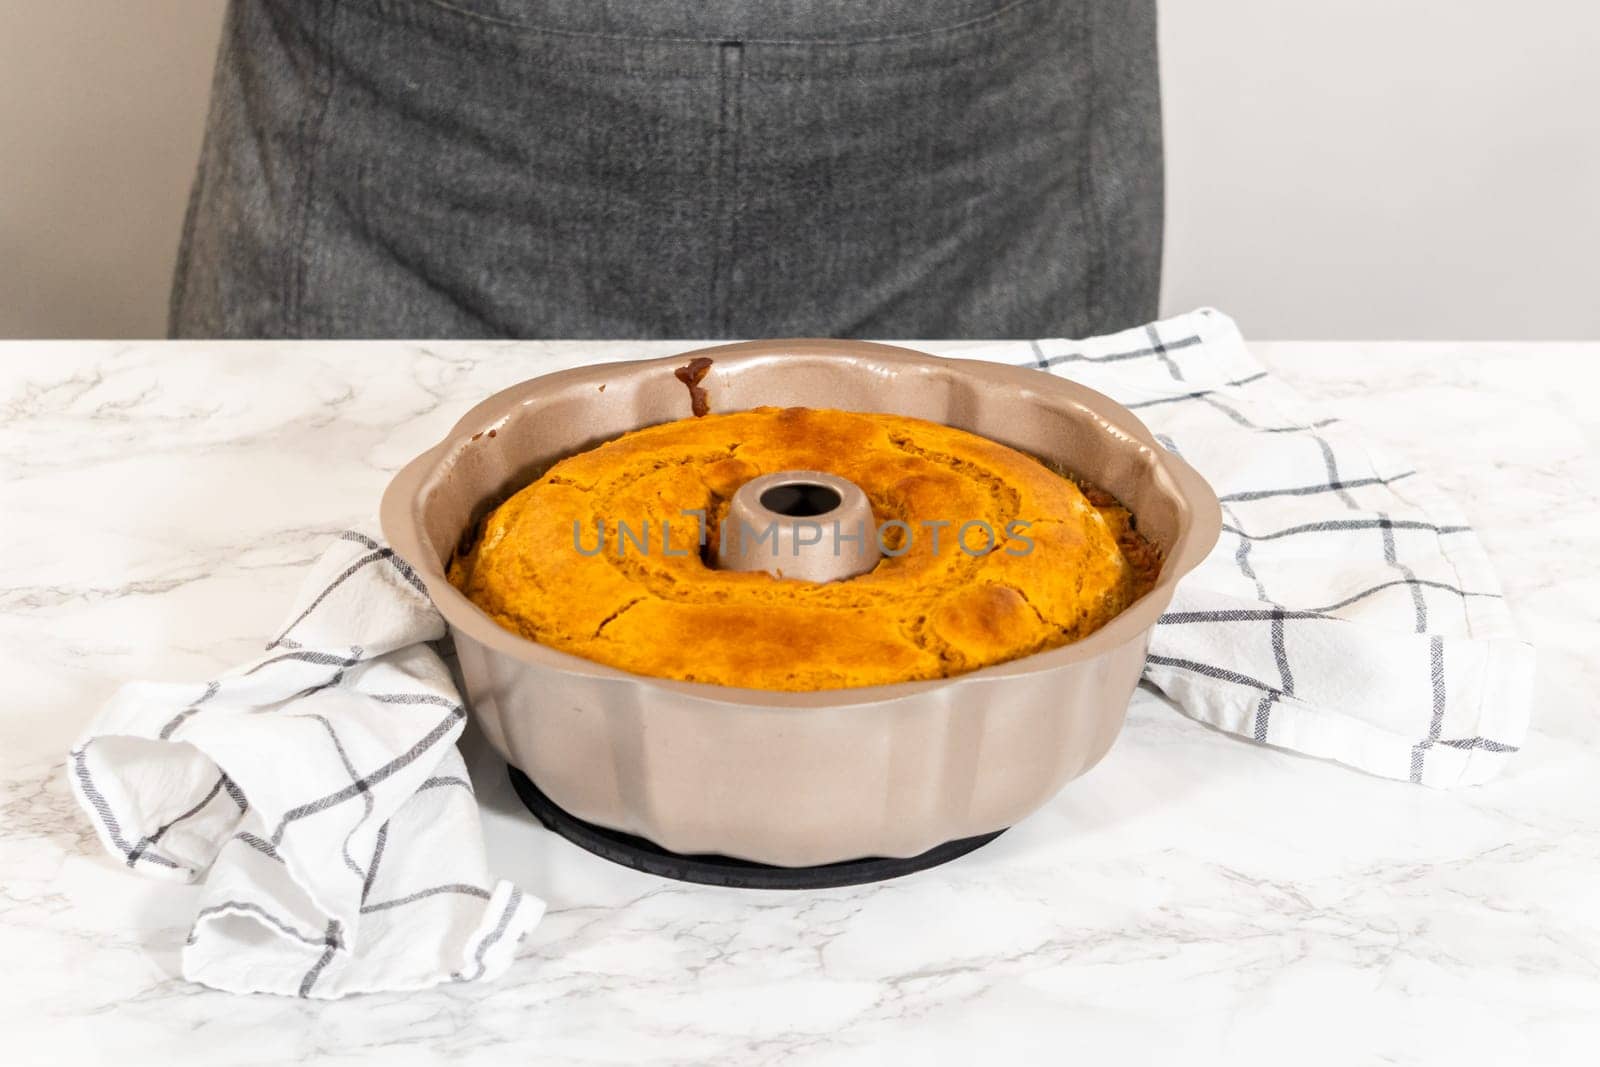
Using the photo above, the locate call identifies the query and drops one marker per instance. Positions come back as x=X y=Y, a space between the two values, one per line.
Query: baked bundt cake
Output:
x=1060 y=565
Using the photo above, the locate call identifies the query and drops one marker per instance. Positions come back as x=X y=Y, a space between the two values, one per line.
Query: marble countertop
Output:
x=1195 y=896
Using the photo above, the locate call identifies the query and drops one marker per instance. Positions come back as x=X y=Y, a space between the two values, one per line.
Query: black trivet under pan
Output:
x=642 y=855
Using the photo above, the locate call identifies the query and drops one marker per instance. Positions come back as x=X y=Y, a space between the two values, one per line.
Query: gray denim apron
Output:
x=665 y=168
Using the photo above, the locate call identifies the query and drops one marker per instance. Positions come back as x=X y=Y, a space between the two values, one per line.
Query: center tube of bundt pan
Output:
x=806 y=525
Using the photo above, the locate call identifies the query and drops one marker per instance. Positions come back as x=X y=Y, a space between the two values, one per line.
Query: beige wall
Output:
x=1385 y=168
x=101 y=108
x=1370 y=168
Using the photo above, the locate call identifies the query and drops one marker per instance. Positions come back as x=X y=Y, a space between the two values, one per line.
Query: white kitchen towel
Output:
x=319 y=795
x=1348 y=611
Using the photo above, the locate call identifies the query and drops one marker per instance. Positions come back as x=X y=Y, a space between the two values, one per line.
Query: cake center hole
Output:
x=800 y=500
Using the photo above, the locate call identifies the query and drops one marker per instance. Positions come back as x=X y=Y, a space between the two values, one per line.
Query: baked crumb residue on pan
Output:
x=692 y=374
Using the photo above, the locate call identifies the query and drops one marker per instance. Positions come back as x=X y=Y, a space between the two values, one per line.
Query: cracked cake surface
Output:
x=1061 y=564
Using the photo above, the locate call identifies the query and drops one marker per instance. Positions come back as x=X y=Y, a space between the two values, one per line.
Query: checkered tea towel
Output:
x=1348 y=611
x=318 y=794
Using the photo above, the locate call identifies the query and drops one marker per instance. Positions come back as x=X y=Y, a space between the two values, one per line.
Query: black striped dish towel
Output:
x=1348 y=611
x=318 y=794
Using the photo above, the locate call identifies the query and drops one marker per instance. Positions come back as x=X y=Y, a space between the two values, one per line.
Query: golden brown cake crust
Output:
x=923 y=614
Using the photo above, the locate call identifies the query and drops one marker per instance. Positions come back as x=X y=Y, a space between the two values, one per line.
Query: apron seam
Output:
x=1093 y=223
x=313 y=124
x=930 y=34
x=730 y=61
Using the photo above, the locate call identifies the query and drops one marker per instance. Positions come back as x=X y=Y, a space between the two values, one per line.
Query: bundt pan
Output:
x=798 y=779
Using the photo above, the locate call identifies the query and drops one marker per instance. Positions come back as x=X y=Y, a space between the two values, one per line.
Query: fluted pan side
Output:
x=798 y=778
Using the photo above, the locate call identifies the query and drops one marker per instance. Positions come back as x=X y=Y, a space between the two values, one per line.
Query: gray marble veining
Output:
x=1194 y=896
